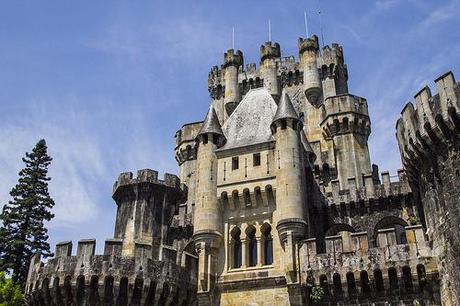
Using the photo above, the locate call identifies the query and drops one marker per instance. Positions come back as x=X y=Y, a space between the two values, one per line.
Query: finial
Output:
x=233 y=38
x=306 y=23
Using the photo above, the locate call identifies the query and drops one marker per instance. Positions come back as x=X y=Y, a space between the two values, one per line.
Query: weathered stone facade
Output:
x=277 y=202
x=428 y=137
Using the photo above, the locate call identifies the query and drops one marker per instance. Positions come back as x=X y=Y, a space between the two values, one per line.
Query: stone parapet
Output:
x=89 y=279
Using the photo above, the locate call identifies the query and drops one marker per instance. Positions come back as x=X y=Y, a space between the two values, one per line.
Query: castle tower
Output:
x=308 y=54
x=232 y=62
x=346 y=121
x=269 y=55
x=207 y=217
x=142 y=203
x=290 y=216
x=334 y=71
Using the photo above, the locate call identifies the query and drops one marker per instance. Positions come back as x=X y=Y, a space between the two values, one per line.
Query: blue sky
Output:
x=107 y=84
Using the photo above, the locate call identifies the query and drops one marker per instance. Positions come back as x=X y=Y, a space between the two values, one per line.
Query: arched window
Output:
x=393 y=277
x=57 y=291
x=351 y=284
x=68 y=290
x=323 y=283
x=407 y=278
x=378 y=279
x=252 y=246
x=108 y=290
x=151 y=293
x=137 y=291
x=364 y=279
x=337 y=281
x=268 y=244
x=93 y=290
x=237 y=259
x=421 y=273
x=123 y=293
x=80 y=290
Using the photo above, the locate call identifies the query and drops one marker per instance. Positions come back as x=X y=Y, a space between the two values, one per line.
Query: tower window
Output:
x=235 y=163
x=251 y=236
x=256 y=159
x=237 y=248
x=268 y=246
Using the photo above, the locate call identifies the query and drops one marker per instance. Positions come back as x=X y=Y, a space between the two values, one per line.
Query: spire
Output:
x=285 y=109
x=211 y=124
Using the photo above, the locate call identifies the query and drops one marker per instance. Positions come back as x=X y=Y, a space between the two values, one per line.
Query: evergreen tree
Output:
x=23 y=233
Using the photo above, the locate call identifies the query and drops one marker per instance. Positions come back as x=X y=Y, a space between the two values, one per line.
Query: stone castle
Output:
x=277 y=202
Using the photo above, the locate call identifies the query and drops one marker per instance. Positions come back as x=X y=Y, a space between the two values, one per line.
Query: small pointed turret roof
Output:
x=285 y=109
x=211 y=123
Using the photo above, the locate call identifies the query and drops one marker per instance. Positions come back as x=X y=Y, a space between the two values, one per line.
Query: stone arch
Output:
x=251 y=245
x=393 y=278
x=421 y=275
x=136 y=298
x=258 y=196
x=93 y=298
x=236 y=247
x=351 y=283
x=267 y=243
x=337 y=283
x=68 y=290
x=339 y=227
x=108 y=290
x=122 y=298
x=270 y=195
x=246 y=197
x=224 y=198
x=392 y=222
x=407 y=278
x=378 y=281
x=323 y=283
x=151 y=293
x=80 y=290
x=57 y=291
x=364 y=282
x=235 y=198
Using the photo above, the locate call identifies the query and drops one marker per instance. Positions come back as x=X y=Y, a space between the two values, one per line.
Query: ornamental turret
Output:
x=290 y=216
x=308 y=54
x=232 y=62
x=208 y=223
x=269 y=58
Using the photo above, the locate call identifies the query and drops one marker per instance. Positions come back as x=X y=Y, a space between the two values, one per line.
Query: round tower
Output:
x=286 y=128
x=269 y=55
x=232 y=61
x=208 y=223
x=308 y=54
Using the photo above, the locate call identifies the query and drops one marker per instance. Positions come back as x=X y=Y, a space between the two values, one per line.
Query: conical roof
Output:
x=211 y=123
x=285 y=109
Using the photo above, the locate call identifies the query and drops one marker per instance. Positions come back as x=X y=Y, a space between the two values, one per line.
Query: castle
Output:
x=277 y=202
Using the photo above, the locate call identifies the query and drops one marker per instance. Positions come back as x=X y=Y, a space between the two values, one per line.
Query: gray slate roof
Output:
x=285 y=109
x=249 y=124
x=211 y=123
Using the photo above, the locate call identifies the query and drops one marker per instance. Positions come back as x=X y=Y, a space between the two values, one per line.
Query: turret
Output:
x=308 y=54
x=290 y=215
x=269 y=55
x=142 y=204
x=334 y=71
x=207 y=217
x=232 y=62
x=346 y=122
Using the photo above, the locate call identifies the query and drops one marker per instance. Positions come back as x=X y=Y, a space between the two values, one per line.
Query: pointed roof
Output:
x=285 y=109
x=211 y=123
x=249 y=124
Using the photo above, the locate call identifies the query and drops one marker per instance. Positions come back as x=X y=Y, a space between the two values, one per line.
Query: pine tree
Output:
x=23 y=231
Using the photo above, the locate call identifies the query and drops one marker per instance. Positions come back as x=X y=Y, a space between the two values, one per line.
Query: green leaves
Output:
x=10 y=293
x=23 y=232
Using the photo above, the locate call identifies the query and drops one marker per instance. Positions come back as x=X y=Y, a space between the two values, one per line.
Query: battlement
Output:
x=185 y=142
x=350 y=266
x=269 y=50
x=110 y=276
x=344 y=114
x=308 y=44
x=370 y=190
x=433 y=119
x=145 y=176
x=233 y=58
x=288 y=70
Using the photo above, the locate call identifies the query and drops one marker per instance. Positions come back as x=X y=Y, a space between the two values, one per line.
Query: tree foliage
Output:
x=23 y=232
x=10 y=293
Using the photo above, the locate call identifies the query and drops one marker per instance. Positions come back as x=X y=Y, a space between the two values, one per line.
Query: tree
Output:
x=23 y=232
x=10 y=293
